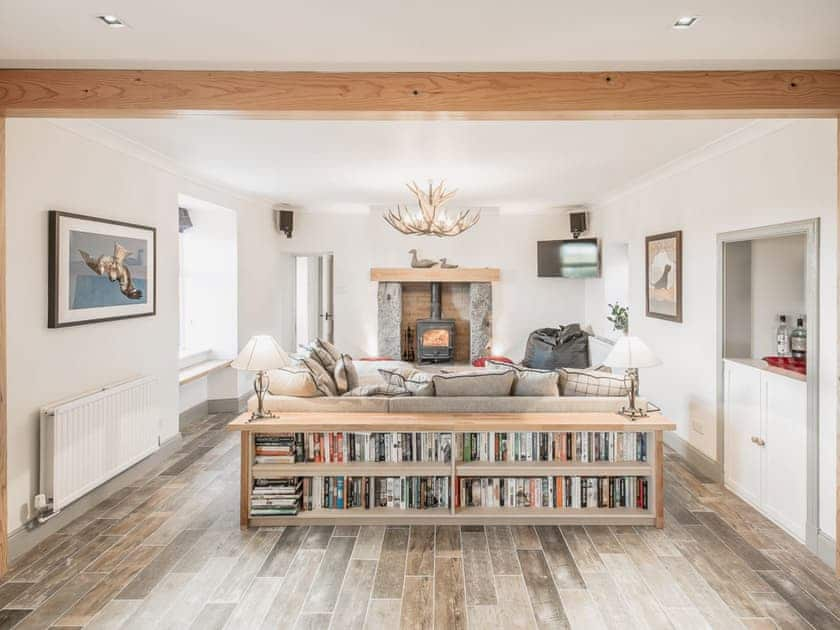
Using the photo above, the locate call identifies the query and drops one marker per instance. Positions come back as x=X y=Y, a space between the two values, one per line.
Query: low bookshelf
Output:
x=534 y=458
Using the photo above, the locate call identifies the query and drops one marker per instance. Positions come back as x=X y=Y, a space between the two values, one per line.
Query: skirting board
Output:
x=229 y=405
x=700 y=464
x=28 y=536
x=825 y=548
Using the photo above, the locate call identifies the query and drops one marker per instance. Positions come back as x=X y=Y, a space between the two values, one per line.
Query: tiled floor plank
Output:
x=450 y=594
x=478 y=568
x=355 y=594
x=327 y=585
x=545 y=600
x=417 y=603
x=390 y=573
x=420 y=557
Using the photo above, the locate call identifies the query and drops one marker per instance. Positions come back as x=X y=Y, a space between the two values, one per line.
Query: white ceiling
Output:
x=432 y=35
x=339 y=166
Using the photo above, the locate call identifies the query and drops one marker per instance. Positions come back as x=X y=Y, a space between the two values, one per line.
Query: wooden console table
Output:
x=655 y=425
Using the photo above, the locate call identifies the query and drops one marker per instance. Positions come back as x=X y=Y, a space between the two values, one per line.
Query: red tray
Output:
x=788 y=363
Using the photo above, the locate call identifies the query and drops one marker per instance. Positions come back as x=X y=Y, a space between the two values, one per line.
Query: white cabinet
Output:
x=765 y=441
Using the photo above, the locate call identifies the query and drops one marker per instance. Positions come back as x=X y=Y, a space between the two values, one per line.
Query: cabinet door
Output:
x=742 y=422
x=784 y=454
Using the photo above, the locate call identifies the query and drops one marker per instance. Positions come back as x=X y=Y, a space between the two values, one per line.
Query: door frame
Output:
x=51 y=93
x=810 y=228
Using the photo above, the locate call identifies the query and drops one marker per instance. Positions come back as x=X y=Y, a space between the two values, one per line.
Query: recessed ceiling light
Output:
x=112 y=20
x=687 y=21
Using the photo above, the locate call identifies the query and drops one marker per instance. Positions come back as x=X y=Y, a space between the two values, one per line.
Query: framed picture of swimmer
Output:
x=663 y=276
x=99 y=270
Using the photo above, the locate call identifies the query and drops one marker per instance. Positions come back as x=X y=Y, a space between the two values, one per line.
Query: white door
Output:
x=742 y=425
x=784 y=452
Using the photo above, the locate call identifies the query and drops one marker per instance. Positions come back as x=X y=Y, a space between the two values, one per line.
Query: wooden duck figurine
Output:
x=446 y=265
x=420 y=263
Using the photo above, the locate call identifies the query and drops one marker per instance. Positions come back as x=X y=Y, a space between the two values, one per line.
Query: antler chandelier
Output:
x=431 y=218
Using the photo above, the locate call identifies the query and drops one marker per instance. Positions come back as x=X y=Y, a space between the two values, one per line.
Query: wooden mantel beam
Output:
x=478 y=95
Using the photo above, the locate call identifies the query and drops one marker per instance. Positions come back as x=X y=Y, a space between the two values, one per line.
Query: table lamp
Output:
x=631 y=353
x=260 y=354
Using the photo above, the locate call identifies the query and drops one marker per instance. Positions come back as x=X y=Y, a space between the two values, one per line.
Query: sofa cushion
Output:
x=474 y=383
x=592 y=383
x=345 y=375
x=323 y=404
x=409 y=379
x=295 y=380
x=323 y=379
x=316 y=351
x=379 y=389
x=528 y=381
x=506 y=404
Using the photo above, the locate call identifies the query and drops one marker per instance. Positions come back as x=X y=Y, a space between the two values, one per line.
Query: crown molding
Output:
x=754 y=130
x=120 y=143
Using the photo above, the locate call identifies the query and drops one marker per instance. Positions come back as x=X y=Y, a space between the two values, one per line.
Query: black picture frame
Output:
x=55 y=288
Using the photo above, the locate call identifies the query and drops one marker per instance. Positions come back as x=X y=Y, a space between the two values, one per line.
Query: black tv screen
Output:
x=573 y=258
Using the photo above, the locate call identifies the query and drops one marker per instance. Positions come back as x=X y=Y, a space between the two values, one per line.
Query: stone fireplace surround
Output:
x=476 y=298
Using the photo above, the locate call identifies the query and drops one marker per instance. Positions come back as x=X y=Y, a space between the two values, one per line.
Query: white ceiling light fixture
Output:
x=686 y=21
x=111 y=20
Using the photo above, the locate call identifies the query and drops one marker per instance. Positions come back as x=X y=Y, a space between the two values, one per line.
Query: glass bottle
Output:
x=798 y=340
x=783 y=338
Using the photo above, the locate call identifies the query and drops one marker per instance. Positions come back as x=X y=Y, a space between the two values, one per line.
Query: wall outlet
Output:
x=697 y=426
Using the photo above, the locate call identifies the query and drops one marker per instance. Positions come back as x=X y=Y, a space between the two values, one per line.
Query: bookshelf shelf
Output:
x=544 y=469
x=353 y=469
x=454 y=423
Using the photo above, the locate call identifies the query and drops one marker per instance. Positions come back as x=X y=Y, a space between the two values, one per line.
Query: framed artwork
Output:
x=663 y=276
x=99 y=270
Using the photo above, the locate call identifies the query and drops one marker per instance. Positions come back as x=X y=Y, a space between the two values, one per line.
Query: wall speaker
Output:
x=577 y=223
x=284 y=221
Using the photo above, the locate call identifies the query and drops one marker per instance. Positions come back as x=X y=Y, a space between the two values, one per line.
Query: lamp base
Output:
x=633 y=412
x=257 y=415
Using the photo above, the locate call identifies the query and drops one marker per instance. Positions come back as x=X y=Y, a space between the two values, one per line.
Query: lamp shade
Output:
x=261 y=352
x=631 y=352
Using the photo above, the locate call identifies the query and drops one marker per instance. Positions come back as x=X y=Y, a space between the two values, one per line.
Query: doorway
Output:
x=314 y=316
x=768 y=418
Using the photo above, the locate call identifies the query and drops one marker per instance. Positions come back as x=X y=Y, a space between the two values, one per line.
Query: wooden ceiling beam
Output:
x=418 y=95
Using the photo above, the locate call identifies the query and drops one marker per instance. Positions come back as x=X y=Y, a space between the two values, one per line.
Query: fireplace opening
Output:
x=435 y=335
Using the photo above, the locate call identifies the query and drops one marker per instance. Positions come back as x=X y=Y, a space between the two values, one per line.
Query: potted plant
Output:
x=619 y=317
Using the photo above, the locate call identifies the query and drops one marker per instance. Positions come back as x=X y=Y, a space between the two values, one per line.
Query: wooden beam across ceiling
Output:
x=418 y=95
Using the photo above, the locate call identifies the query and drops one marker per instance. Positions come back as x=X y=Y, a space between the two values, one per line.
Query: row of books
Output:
x=340 y=447
x=560 y=446
x=276 y=497
x=552 y=492
x=341 y=492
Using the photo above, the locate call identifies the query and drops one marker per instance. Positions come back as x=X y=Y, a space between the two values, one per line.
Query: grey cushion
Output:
x=295 y=381
x=575 y=382
x=345 y=375
x=474 y=383
x=528 y=381
x=409 y=379
x=319 y=353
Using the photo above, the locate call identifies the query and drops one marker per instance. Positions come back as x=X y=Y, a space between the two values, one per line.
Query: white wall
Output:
x=774 y=172
x=521 y=301
x=778 y=287
x=76 y=167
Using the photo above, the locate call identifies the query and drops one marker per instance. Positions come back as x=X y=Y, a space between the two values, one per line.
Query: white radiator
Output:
x=88 y=439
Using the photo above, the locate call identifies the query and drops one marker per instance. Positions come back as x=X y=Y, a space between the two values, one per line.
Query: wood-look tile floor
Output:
x=167 y=552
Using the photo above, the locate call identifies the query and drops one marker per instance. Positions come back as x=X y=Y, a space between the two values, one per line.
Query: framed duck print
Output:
x=663 y=276
x=99 y=270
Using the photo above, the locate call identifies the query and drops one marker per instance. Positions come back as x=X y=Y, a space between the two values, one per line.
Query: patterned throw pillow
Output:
x=529 y=381
x=293 y=381
x=345 y=374
x=410 y=380
x=574 y=382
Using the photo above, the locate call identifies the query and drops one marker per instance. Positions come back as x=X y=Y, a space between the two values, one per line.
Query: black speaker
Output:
x=577 y=223
x=284 y=221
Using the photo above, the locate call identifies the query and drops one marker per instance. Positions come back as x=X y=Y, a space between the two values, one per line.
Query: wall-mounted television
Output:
x=571 y=258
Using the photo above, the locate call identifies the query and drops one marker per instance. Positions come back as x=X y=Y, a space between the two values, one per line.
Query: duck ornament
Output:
x=420 y=263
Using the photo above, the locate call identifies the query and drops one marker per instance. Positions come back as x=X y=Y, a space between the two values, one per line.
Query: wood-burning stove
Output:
x=435 y=335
